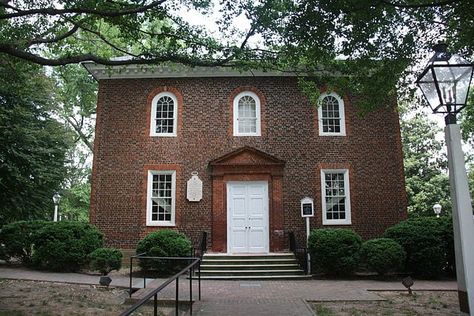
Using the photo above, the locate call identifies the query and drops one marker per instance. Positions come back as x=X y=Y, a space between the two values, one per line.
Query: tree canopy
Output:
x=359 y=46
x=33 y=145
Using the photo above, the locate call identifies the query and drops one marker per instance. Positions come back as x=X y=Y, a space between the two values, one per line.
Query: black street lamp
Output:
x=445 y=83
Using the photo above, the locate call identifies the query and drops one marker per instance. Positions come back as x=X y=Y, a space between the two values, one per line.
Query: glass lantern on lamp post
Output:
x=56 y=200
x=437 y=209
x=445 y=84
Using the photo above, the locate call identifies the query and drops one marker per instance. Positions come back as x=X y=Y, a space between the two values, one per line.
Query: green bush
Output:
x=65 y=246
x=16 y=240
x=164 y=243
x=335 y=251
x=382 y=255
x=105 y=260
x=428 y=243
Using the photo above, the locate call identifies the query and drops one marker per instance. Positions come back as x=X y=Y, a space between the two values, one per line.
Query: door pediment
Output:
x=246 y=156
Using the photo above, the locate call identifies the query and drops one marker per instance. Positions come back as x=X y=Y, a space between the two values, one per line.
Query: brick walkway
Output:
x=249 y=298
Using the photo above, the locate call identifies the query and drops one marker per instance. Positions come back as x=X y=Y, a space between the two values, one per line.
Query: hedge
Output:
x=105 y=260
x=335 y=251
x=164 y=243
x=428 y=243
x=16 y=240
x=382 y=255
x=64 y=246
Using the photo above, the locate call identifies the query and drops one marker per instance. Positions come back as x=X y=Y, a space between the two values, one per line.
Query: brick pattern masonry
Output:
x=124 y=152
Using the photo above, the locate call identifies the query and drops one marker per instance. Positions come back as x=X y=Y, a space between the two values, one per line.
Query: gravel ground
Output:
x=436 y=303
x=47 y=298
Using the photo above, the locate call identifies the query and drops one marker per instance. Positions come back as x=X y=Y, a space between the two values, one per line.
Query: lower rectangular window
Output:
x=161 y=198
x=335 y=197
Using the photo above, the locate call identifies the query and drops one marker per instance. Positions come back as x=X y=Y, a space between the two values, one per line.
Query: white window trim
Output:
x=153 y=115
x=347 y=220
x=149 y=221
x=341 y=113
x=236 y=114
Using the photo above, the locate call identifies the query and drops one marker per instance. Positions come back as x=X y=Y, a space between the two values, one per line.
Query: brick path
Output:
x=248 y=298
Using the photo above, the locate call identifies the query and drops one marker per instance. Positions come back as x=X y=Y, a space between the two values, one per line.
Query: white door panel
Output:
x=247 y=217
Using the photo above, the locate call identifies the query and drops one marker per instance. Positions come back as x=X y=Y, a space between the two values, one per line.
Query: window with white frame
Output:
x=331 y=115
x=164 y=115
x=336 y=205
x=246 y=114
x=161 y=198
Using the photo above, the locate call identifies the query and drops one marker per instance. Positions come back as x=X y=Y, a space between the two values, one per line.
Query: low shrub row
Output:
x=56 y=246
x=71 y=246
x=164 y=243
x=423 y=247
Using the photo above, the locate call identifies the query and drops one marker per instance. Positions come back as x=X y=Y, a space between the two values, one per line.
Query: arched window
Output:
x=164 y=115
x=246 y=114
x=331 y=115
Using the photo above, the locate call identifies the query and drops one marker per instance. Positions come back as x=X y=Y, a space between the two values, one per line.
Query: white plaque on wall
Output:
x=194 y=188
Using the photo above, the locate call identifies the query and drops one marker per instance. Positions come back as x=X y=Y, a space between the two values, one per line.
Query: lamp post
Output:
x=56 y=199
x=437 y=209
x=445 y=83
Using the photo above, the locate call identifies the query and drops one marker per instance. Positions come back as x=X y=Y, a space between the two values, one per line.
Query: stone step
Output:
x=251 y=272
x=231 y=261
x=284 y=255
x=256 y=266
x=250 y=266
x=255 y=277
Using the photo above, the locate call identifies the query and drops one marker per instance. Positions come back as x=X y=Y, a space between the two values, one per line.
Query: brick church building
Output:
x=233 y=154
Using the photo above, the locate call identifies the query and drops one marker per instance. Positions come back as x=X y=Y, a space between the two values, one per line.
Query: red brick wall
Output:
x=124 y=150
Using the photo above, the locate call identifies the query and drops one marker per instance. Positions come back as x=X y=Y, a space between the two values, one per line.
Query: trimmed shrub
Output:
x=335 y=251
x=164 y=243
x=105 y=260
x=16 y=240
x=382 y=255
x=65 y=246
x=428 y=243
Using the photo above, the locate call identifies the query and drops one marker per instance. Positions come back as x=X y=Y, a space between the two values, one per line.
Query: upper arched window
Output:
x=246 y=114
x=164 y=115
x=331 y=115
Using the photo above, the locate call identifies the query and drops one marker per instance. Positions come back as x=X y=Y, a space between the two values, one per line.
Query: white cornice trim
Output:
x=100 y=72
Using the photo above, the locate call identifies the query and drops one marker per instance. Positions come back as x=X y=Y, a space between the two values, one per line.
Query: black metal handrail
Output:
x=203 y=244
x=301 y=253
x=154 y=293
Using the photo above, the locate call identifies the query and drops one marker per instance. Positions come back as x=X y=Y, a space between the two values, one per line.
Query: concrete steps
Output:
x=251 y=267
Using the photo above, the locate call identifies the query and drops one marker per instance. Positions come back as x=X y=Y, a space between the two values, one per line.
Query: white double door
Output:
x=247 y=217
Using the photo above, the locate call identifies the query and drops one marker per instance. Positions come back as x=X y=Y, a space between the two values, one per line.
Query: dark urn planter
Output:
x=105 y=280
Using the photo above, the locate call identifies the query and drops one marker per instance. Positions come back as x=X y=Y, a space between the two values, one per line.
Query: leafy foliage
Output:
x=382 y=255
x=65 y=246
x=335 y=251
x=428 y=243
x=106 y=260
x=427 y=182
x=75 y=202
x=163 y=243
x=17 y=240
x=366 y=47
x=33 y=145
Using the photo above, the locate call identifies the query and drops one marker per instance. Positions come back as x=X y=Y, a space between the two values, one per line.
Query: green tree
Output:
x=364 y=47
x=75 y=202
x=427 y=182
x=33 y=145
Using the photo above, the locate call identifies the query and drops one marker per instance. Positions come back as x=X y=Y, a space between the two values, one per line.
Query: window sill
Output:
x=160 y=224
x=163 y=135
x=332 y=134
x=336 y=222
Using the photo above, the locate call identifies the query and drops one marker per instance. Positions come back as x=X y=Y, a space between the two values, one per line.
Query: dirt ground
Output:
x=434 y=303
x=46 y=298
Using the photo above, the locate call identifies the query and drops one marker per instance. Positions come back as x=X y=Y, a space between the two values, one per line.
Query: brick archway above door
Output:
x=247 y=164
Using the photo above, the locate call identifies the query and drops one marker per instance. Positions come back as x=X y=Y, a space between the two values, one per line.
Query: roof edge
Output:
x=134 y=71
